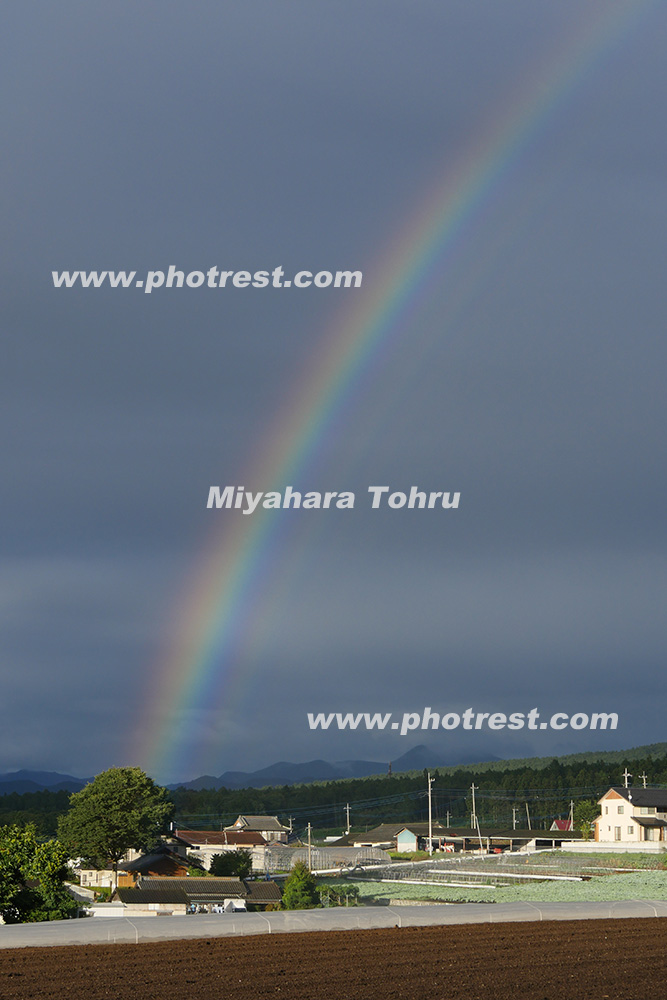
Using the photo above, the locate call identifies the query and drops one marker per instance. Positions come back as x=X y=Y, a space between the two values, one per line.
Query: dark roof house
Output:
x=643 y=797
x=206 y=892
x=220 y=838
x=161 y=863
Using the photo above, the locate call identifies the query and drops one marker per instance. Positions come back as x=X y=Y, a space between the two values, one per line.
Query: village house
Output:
x=161 y=863
x=151 y=896
x=415 y=837
x=99 y=878
x=632 y=819
x=95 y=878
x=409 y=837
x=203 y=845
x=383 y=836
x=564 y=825
x=269 y=827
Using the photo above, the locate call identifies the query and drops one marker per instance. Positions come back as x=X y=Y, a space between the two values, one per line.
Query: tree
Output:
x=238 y=863
x=339 y=895
x=120 y=809
x=300 y=891
x=32 y=878
x=584 y=814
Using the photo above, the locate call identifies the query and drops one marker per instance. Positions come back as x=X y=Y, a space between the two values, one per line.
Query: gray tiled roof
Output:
x=148 y=861
x=421 y=829
x=147 y=894
x=643 y=796
x=208 y=889
x=259 y=823
x=218 y=838
x=263 y=892
x=199 y=890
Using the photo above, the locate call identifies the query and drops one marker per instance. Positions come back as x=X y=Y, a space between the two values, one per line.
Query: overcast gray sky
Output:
x=526 y=372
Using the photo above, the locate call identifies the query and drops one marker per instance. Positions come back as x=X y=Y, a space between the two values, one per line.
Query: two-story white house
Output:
x=633 y=819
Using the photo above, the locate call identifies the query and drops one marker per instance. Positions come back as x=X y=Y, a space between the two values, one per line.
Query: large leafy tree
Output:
x=120 y=809
x=238 y=863
x=32 y=877
x=300 y=892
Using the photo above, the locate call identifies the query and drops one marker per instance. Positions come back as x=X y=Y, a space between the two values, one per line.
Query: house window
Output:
x=620 y=810
x=631 y=830
x=617 y=833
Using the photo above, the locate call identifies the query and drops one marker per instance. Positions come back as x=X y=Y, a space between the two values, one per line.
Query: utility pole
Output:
x=514 y=817
x=448 y=819
x=479 y=834
x=309 y=848
x=474 y=788
x=347 y=809
x=644 y=778
x=291 y=820
x=528 y=815
x=571 y=814
x=430 y=814
x=626 y=777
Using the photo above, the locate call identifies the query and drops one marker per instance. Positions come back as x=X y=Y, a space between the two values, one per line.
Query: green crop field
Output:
x=642 y=876
x=630 y=885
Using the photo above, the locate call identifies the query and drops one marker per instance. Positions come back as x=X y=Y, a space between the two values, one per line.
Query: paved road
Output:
x=126 y=930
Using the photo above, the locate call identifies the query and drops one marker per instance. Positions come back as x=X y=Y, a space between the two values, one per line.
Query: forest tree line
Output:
x=548 y=792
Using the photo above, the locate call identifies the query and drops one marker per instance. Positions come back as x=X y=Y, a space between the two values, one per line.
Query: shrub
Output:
x=300 y=892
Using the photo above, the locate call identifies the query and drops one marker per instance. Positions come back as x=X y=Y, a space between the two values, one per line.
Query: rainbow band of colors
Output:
x=218 y=604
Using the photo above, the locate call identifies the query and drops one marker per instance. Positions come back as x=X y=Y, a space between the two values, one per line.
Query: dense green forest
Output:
x=547 y=786
x=548 y=790
x=40 y=808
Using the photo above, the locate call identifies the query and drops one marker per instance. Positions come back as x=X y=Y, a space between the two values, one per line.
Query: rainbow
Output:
x=222 y=594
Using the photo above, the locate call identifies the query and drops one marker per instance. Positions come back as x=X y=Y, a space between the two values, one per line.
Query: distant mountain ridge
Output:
x=416 y=759
x=288 y=773
x=39 y=781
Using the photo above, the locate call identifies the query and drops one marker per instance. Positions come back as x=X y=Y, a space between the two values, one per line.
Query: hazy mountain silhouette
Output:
x=39 y=781
x=285 y=772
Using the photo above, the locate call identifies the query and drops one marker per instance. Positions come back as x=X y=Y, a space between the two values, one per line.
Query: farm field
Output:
x=501 y=880
x=535 y=961
x=632 y=885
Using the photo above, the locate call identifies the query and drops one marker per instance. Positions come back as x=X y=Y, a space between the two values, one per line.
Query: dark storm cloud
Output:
x=528 y=374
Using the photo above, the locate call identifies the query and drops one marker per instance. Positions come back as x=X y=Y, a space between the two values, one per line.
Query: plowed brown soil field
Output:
x=619 y=959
